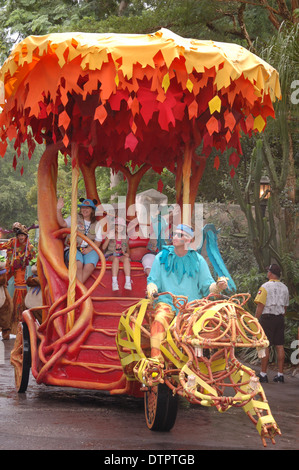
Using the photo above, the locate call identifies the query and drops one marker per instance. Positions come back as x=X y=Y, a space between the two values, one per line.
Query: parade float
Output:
x=131 y=103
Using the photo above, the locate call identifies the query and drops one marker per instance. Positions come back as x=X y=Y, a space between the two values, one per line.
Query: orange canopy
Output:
x=138 y=98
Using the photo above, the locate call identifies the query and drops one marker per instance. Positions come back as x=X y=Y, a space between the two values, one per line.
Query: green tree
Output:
x=16 y=202
x=22 y=18
x=191 y=18
x=274 y=236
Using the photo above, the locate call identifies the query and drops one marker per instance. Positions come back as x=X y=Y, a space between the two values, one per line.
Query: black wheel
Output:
x=160 y=407
x=21 y=358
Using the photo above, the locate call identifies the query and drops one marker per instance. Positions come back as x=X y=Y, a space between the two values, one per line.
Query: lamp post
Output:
x=265 y=188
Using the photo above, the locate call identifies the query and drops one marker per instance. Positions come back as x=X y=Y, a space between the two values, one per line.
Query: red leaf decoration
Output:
x=131 y=142
x=160 y=186
x=234 y=159
x=216 y=162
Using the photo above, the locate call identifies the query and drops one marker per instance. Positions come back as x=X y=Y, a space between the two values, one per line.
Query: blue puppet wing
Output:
x=159 y=226
x=210 y=237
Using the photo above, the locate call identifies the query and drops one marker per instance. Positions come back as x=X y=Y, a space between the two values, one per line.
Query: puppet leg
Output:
x=162 y=319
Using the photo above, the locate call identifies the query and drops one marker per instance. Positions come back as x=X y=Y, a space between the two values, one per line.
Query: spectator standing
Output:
x=272 y=300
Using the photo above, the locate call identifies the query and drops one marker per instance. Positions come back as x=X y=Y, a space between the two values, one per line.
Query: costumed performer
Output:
x=19 y=252
x=86 y=256
x=6 y=305
x=181 y=271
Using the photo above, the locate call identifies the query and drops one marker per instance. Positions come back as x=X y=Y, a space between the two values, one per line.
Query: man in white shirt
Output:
x=272 y=300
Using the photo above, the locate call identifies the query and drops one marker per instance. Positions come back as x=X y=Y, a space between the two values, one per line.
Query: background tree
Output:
x=268 y=28
x=16 y=201
x=233 y=21
x=274 y=237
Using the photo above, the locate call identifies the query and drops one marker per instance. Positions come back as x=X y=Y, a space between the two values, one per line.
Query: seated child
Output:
x=116 y=248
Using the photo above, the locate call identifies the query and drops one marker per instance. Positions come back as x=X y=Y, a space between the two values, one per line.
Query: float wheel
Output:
x=160 y=407
x=21 y=358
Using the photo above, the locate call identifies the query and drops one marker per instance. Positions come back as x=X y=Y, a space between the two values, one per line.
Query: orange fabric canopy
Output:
x=137 y=98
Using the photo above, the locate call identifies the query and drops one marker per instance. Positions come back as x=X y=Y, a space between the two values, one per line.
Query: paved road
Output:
x=51 y=418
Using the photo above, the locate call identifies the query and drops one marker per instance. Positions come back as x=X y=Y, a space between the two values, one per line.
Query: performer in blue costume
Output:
x=181 y=271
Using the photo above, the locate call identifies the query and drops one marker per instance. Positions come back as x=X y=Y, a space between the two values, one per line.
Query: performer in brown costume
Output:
x=19 y=251
x=6 y=305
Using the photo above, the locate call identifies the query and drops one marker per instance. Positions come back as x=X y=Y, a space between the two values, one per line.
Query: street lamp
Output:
x=265 y=188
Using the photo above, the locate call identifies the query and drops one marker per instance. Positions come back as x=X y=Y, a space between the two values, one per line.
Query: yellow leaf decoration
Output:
x=215 y=104
x=259 y=123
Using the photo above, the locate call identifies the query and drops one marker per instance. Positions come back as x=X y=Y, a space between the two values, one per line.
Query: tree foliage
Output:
x=275 y=236
x=267 y=27
x=18 y=191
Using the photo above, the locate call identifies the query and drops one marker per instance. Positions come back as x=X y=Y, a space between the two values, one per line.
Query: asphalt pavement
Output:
x=53 y=418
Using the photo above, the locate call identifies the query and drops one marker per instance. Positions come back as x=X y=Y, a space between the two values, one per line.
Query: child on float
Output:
x=116 y=248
